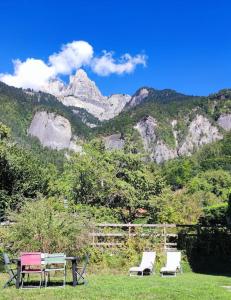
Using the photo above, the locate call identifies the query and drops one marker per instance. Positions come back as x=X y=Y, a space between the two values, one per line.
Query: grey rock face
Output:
x=174 y=131
x=80 y=86
x=156 y=148
x=200 y=132
x=52 y=130
x=115 y=104
x=136 y=100
x=225 y=122
x=114 y=142
x=83 y=93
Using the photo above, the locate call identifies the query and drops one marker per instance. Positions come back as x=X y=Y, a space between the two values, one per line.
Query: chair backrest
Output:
x=54 y=258
x=7 y=262
x=148 y=260
x=6 y=259
x=30 y=259
x=173 y=259
x=43 y=255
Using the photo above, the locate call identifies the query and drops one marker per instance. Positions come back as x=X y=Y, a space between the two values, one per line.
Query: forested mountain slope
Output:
x=163 y=124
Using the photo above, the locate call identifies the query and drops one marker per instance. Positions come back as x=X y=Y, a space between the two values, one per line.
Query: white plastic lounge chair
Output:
x=147 y=265
x=173 y=264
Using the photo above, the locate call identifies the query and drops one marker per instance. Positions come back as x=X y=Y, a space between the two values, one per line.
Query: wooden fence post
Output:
x=93 y=238
x=165 y=240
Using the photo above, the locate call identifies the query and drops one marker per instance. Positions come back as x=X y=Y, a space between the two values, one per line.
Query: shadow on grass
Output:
x=209 y=251
x=51 y=284
x=211 y=265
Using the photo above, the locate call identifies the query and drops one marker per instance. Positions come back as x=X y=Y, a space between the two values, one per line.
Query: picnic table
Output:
x=73 y=260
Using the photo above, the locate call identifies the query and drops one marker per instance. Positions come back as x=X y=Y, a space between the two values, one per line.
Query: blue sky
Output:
x=188 y=43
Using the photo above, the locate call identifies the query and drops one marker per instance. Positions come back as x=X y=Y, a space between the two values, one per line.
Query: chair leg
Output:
x=22 y=282
x=64 y=278
x=7 y=283
x=40 y=284
x=46 y=279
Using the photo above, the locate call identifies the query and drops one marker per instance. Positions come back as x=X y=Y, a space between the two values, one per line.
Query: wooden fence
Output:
x=165 y=235
x=114 y=235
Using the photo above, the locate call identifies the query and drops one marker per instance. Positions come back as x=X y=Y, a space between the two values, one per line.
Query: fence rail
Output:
x=114 y=235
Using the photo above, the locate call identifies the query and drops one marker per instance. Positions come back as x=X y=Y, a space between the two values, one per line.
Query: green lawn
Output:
x=107 y=287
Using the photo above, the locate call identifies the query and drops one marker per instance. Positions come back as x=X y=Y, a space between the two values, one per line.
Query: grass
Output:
x=122 y=287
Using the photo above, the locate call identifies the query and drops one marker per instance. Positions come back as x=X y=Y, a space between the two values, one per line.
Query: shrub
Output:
x=46 y=226
x=215 y=215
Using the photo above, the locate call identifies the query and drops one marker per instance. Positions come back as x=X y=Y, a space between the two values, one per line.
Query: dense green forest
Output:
x=119 y=185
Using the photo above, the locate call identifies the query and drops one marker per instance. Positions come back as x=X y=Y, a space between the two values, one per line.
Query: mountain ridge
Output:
x=81 y=92
x=163 y=124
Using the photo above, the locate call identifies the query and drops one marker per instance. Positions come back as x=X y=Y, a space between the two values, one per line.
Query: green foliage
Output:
x=179 y=171
x=215 y=215
x=111 y=179
x=217 y=182
x=128 y=254
x=21 y=177
x=44 y=225
x=175 y=207
x=4 y=131
x=98 y=215
x=216 y=155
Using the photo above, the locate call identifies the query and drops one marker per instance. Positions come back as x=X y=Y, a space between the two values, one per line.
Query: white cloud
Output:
x=73 y=56
x=35 y=73
x=106 y=64
x=32 y=73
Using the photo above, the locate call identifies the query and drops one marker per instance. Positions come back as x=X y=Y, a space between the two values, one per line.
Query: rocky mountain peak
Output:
x=82 y=92
x=138 y=98
x=80 y=75
x=82 y=87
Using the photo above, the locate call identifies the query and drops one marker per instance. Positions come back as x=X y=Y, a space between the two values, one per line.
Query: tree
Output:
x=111 y=179
x=21 y=177
x=179 y=171
x=217 y=182
x=175 y=207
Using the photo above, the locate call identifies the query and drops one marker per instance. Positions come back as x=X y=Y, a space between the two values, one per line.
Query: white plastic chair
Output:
x=146 y=266
x=173 y=264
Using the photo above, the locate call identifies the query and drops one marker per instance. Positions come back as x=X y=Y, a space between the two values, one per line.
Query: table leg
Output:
x=18 y=274
x=74 y=272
